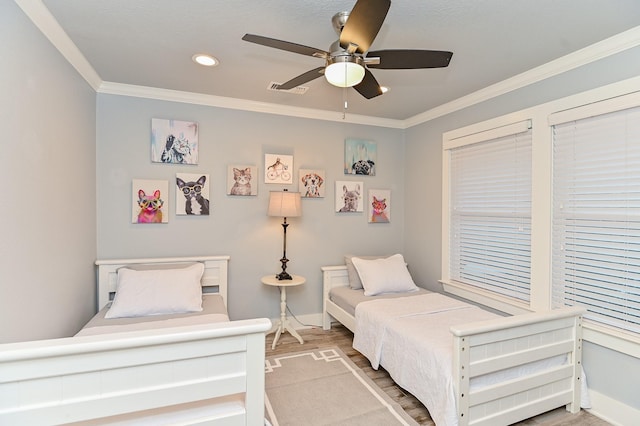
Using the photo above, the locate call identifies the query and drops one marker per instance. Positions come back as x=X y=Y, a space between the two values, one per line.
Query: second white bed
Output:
x=466 y=365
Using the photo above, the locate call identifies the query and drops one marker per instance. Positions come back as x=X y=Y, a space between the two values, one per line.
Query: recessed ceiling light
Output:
x=384 y=89
x=206 y=60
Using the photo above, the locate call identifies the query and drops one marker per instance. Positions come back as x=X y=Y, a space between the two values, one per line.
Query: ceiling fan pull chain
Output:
x=345 y=103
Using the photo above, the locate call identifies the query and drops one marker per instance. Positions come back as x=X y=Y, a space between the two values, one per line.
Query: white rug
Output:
x=323 y=387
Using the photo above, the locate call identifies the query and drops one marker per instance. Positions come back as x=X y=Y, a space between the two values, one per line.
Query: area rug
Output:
x=324 y=387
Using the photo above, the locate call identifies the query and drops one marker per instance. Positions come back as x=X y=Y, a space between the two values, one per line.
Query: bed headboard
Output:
x=214 y=276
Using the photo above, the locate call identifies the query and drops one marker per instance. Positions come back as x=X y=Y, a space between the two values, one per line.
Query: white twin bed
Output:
x=149 y=365
x=466 y=365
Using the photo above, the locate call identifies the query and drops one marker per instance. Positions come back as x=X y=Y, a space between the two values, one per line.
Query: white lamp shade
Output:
x=284 y=204
x=344 y=74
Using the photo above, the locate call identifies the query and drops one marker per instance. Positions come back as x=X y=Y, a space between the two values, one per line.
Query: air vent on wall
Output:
x=299 y=90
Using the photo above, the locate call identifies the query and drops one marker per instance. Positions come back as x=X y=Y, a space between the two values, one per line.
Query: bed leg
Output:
x=326 y=321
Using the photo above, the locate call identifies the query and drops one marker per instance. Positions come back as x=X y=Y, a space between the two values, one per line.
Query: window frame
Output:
x=602 y=114
x=608 y=98
x=491 y=134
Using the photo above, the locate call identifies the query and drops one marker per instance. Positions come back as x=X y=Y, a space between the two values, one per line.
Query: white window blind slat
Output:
x=596 y=217
x=490 y=211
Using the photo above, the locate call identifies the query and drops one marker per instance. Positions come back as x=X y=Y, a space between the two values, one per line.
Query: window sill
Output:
x=613 y=339
x=502 y=304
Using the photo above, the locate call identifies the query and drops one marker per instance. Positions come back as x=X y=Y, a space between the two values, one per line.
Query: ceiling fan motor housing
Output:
x=339 y=20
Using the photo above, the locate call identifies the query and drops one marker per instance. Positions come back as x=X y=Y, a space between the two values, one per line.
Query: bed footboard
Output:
x=490 y=346
x=214 y=370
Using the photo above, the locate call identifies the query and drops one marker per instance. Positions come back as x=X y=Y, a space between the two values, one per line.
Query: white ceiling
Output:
x=150 y=43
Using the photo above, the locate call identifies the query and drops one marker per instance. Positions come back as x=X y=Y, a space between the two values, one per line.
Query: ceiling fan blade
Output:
x=363 y=24
x=410 y=59
x=368 y=87
x=286 y=45
x=302 y=78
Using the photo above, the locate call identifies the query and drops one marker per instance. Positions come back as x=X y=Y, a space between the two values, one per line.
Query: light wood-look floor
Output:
x=316 y=338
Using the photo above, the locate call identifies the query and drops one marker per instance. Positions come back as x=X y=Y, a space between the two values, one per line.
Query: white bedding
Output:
x=420 y=325
x=213 y=310
x=424 y=365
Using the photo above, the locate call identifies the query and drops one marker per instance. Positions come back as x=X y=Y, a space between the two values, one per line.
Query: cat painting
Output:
x=378 y=207
x=176 y=150
x=242 y=184
x=150 y=207
x=174 y=141
x=195 y=202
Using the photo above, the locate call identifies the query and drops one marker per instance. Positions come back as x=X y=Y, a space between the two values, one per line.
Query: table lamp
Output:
x=284 y=204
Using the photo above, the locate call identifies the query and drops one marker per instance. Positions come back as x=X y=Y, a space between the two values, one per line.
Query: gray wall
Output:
x=48 y=200
x=424 y=177
x=239 y=226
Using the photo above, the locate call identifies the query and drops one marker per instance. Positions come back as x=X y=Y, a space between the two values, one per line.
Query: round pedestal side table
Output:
x=283 y=325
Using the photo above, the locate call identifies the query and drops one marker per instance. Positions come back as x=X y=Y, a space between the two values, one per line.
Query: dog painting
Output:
x=174 y=142
x=194 y=188
x=149 y=201
x=312 y=183
x=349 y=197
x=360 y=157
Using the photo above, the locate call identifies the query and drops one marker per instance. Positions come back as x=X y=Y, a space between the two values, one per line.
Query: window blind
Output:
x=490 y=214
x=596 y=217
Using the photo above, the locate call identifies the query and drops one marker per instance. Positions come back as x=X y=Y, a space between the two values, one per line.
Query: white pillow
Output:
x=388 y=275
x=156 y=292
x=354 y=278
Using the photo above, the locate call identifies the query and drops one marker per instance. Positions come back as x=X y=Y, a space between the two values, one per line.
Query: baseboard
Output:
x=612 y=411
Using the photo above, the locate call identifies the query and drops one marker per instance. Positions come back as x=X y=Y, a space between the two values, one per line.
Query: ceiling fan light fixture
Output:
x=344 y=71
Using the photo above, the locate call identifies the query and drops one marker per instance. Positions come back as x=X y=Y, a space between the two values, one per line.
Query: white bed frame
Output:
x=490 y=346
x=198 y=374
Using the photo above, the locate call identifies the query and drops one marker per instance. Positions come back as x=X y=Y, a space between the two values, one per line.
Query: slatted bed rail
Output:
x=211 y=373
x=493 y=346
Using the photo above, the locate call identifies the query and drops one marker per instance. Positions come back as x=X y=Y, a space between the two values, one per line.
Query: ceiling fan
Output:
x=348 y=61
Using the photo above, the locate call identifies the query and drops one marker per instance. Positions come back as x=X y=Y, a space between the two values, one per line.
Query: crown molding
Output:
x=600 y=50
x=43 y=19
x=242 y=104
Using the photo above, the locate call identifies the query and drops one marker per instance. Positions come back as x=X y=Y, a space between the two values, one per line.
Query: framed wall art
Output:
x=278 y=168
x=242 y=180
x=149 y=199
x=360 y=157
x=349 y=196
x=379 y=205
x=312 y=182
x=174 y=141
x=192 y=194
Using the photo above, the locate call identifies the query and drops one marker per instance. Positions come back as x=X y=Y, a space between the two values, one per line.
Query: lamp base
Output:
x=284 y=276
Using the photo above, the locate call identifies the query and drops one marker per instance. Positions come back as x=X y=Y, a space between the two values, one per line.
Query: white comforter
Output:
x=419 y=325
